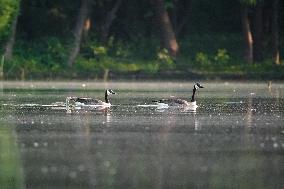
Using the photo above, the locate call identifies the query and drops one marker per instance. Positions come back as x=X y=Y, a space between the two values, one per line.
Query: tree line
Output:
x=104 y=22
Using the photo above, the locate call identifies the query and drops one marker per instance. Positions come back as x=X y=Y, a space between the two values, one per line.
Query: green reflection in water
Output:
x=11 y=176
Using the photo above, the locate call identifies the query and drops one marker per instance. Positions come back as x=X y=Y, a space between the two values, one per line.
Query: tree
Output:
x=180 y=14
x=110 y=16
x=258 y=32
x=78 y=31
x=168 y=38
x=8 y=21
x=275 y=32
x=248 y=41
x=10 y=44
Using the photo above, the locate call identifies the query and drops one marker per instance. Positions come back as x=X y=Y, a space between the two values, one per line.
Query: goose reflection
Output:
x=197 y=125
x=164 y=108
x=184 y=110
x=108 y=117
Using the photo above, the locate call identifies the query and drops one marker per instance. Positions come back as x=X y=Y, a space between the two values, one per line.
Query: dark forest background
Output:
x=165 y=39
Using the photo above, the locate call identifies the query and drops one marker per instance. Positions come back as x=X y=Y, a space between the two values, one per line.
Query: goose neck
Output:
x=106 y=97
x=193 y=95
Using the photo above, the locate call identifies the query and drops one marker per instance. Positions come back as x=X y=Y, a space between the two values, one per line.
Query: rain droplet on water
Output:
x=275 y=145
x=81 y=167
x=36 y=144
x=73 y=174
x=53 y=169
x=112 y=171
x=45 y=144
x=44 y=169
x=100 y=142
x=106 y=163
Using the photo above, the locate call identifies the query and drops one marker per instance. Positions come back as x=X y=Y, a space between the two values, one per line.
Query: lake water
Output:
x=234 y=139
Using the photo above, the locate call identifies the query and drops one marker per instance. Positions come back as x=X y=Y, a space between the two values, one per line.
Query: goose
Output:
x=88 y=102
x=181 y=102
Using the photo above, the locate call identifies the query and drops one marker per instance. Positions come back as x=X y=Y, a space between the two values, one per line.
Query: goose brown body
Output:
x=93 y=101
x=182 y=102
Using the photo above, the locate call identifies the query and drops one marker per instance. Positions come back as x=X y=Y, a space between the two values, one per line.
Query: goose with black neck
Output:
x=83 y=102
x=177 y=102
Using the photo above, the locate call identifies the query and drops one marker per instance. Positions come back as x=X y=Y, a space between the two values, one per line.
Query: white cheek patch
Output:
x=196 y=86
x=108 y=92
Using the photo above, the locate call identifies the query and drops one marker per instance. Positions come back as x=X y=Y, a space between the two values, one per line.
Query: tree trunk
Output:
x=174 y=15
x=275 y=32
x=258 y=33
x=111 y=15
x=185 y=17
x=248 y=41
x=10 y=44
x=168 y=38
x=79 y=28
x=87 y=27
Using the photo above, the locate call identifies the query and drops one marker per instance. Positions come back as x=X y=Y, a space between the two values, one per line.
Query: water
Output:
x=235 y=138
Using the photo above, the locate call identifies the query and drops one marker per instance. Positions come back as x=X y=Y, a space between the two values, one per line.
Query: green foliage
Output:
x=169 y=4
x=46 y=58
x=95 y=68
x=11 y=176
x=120 y=57
x=38 y=59
x=165 y=59
x=202 y=59
x=211 y=40
x=249 y=2
x=8 y=10
x=222 y=56
x=100 y=51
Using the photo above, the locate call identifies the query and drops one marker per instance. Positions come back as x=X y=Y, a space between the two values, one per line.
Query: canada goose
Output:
x=181 y=102
x=88 y=102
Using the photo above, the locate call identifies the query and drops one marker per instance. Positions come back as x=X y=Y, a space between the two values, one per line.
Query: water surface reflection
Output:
x=233 y=140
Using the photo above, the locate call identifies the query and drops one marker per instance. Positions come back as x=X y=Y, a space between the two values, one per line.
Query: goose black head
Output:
x=109 y=92
x=197 y=85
